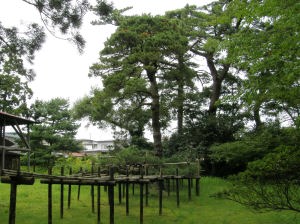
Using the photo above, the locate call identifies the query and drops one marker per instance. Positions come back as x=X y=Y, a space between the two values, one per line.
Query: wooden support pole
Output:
x=98 y=205
x=132 y=188
x=62 y=195
x=147 y=194
x=78 y=191
x=189 y=188
x=197 y=186
x=160 y=189
x=111 y=197
x=177 y=189
x=198 y=178
x=50 y=198
x=141 y=202
x=69 y=190
x=93 y=191
x=13 y=201
x=127 y=198
x=127 y=191
x=147 y=186
x=93 y=198
x=98 y=199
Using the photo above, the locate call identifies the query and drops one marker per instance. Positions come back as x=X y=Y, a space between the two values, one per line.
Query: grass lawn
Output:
x=32 y=207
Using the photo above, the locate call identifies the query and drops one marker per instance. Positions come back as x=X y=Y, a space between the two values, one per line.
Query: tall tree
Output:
x=267 y=49
x=55 y=130
x=102 y=110
x=134 y=64
x=207 y=28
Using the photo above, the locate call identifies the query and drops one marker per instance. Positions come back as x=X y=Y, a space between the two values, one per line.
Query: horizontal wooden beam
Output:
x=19 y=180
x=78 y=182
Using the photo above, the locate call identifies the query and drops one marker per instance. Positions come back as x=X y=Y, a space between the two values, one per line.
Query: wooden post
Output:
x=50 y=198
x=111 y=196
x=198 y=178
x=141 y=202
x=132 y=188
x=147 y=188
x=93 y=191
x=127 y=192
x=93 y=198
x=98 y=199
x=13 y=201
x=78 y=192
x=62 y=195
x=160 y=186
x=177 y=188
x=120 y=192
x=197 y=186
x=189 y=188
x=69 y=190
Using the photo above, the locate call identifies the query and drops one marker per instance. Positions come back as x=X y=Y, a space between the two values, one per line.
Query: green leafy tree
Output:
x=15 y=46
x=134 y=65
x=18 y=45
x=14 y=95
x=207 y=29
x=266 y=48
x=271 y=183
x=101 y=110
x=55 y=130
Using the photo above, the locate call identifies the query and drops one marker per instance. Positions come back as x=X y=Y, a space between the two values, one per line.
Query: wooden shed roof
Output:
x=9 y=119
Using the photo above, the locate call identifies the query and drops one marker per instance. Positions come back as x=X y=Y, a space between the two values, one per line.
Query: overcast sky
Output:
x=60 y=70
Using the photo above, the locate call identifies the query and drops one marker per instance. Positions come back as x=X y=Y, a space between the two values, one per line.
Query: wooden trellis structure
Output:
x=112 y=179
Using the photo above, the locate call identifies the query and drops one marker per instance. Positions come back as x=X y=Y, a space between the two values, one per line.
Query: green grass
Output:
x=32 y=207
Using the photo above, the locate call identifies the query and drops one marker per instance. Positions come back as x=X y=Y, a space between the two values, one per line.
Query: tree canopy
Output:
x=226 y=72
x=55 y=130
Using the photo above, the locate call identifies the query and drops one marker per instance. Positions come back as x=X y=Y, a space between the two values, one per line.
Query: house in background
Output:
x=93 y=146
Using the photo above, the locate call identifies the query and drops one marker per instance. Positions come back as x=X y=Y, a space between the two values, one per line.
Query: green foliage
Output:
x=135 y=156
x=271 y=183
x=15 y=46
x=134 y=65
x=64 y=16
x=14 y=94
x=56 y=129
x=75 y=163
x=266 y=48
x=252 y=146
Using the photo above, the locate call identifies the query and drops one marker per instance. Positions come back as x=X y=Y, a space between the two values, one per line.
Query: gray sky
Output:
x=60 y=70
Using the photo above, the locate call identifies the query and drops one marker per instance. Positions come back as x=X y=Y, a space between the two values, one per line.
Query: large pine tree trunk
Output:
x=180 y=94
x=180 y=111
x=217 y=78
x=155 y=109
